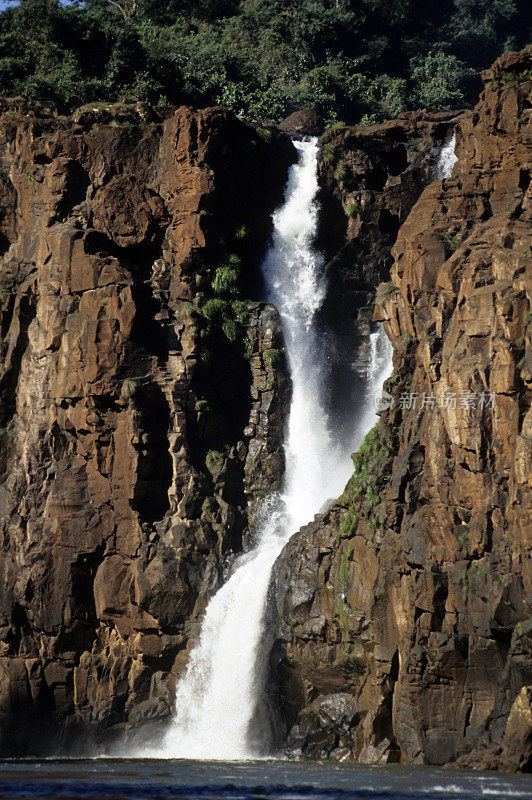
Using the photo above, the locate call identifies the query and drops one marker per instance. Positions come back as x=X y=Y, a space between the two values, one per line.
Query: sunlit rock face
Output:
x=137 y=422
x=143 y=405
x=403 y=614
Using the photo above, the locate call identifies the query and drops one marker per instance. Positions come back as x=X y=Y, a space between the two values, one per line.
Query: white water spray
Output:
x=447 y=159
x=217 y=696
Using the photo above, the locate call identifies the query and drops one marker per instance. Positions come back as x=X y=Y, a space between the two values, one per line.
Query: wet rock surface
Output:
x=402 y=615
x=137 y=420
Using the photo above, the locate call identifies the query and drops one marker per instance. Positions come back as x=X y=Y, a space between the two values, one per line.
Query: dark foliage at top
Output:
x=351 y=59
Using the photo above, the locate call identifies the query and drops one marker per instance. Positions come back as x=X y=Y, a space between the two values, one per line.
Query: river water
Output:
x=140 y=779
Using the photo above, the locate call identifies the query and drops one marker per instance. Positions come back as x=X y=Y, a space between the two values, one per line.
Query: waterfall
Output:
x=217 y=696
x=447 y=159
x=380 y=367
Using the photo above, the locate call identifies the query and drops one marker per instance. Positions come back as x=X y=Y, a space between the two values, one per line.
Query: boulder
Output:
x=300 y=124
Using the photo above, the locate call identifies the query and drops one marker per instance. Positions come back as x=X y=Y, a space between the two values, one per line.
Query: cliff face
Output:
x=140 y=411
x=370 y=178
x=403 y=620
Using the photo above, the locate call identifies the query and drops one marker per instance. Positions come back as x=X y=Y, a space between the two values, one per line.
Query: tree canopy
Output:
x=351 y=59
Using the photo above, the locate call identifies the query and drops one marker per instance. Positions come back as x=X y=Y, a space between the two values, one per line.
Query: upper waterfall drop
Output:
x=447 y=158
x=217 y=697
x=316 y=469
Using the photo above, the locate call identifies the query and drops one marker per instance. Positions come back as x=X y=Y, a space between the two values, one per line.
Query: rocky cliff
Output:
x=402 y=615
x=370 y=178
x=143 y=399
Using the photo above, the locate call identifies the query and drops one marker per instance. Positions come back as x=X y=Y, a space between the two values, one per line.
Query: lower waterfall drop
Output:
x=217 y=696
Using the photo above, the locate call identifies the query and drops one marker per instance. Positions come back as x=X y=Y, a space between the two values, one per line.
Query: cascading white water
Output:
x=447 y=159
x=216 y=698
x=380 y=367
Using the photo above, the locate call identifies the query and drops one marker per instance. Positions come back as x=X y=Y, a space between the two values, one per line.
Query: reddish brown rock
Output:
x=134 y=431
x=517 y=742
x=370 y=177
x=411 y=597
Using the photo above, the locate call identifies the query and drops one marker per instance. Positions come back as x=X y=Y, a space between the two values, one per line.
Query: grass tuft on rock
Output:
x=371 y=473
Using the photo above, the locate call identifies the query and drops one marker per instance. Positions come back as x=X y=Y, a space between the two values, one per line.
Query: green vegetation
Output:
x=222 y=317
x=479 y=569
x=465 y=587
x=208 y=506
x=332 y=130
x=351 y=59
x=9 y=282
x=265 y=135
x=226 y=280
x=516 y=77
x=341 y=172
x=465 y=536
x=343 y=589
x=528 y=317
x=187 y=307
x=350 y=209
x=214 y=461
x=249 y=347
x=369 y=477
x=328 y=153
x=456 y=239
x=272 y=356
x=31 y=181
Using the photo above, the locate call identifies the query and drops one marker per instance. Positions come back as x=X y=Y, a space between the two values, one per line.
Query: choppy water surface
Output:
x=137 y=779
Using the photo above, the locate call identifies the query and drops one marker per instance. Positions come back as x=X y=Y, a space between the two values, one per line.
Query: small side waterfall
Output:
x=447 y=159
x=380 y=367
x=217 y=696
